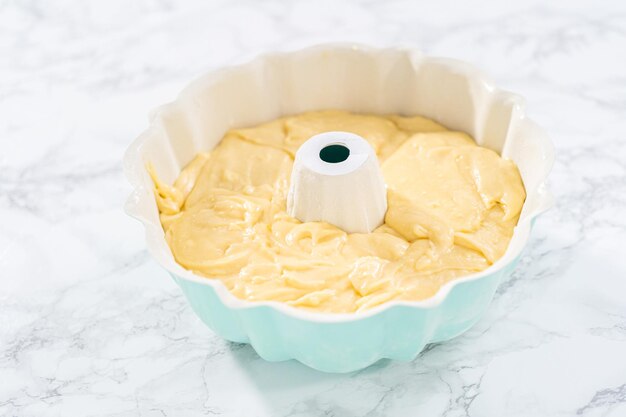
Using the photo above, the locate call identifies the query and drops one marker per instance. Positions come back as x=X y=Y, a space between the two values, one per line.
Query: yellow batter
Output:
x=452 y=209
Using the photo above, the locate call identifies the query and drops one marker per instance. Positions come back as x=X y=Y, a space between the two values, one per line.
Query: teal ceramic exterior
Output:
x=399 y=332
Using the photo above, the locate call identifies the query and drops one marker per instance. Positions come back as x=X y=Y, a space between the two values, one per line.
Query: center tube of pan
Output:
x=336 y=179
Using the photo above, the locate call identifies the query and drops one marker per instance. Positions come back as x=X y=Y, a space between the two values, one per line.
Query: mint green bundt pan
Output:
x=358 y=79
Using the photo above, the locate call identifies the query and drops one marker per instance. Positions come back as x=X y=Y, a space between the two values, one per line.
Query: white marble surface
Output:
x=89 y=325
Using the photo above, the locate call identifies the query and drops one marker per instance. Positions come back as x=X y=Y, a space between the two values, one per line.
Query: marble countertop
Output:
x=90 y=325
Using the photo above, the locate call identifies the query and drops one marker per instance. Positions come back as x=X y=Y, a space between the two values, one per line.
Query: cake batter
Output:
x=452 y=208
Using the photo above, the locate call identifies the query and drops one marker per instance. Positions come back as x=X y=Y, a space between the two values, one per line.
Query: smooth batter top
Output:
x=452 y=207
